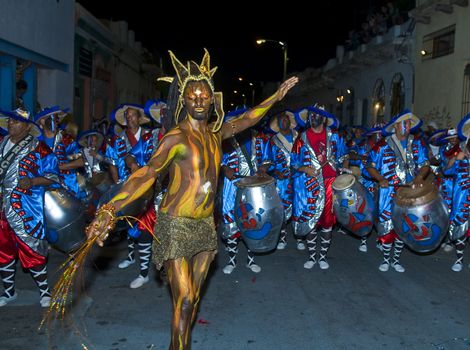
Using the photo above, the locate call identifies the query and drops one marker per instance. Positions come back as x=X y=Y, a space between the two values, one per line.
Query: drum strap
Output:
x=244 y=151
x=8 y=159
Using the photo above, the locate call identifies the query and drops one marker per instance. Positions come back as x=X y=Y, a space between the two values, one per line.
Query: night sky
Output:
x=311 y=34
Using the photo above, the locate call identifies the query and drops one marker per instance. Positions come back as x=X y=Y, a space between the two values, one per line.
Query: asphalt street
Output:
x=352 y=305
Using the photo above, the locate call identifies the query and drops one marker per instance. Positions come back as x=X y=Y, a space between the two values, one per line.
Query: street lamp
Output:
x=284 y=51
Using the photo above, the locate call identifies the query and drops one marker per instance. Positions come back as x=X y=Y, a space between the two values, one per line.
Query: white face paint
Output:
x=207 y=187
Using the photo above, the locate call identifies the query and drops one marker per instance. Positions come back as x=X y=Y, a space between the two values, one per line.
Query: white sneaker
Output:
x=309 y=264
x=281 y=245
x=125 y=263
x=5 y=299
x=139 y=282
x=45 y=301
x=448 y=248
x=379 y=246
x=300 y=245
x=398 y=267
x=457 y=267
x=363 y=248
x=384 y=267
x=228 y=269
x=324 y=264
x=255 y=268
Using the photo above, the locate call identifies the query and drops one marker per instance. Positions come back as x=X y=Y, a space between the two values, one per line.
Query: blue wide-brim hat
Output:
x=48 y=111
x=449 y=134
x=331 y=120
x=119 y=114
x=301 y=116
x=22 y=116
x=154 y=109
x=82 y=138
x=435 y=136
x=405 y=115
x=274 y=124
x=372 y=131
x=463 y=128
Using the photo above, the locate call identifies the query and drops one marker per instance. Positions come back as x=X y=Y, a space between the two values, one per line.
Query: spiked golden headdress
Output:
x=196 y=72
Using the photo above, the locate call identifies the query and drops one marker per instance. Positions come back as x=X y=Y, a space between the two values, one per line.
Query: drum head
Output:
x=409 y=196
x=343 y=182
x=356 y=171
x=255 y=181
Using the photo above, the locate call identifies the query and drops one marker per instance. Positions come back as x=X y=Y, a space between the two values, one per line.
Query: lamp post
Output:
x=283 y=45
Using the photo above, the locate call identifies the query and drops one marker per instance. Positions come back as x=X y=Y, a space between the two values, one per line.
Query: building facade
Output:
x=366 y=85
x=36 y=53
x=442 y=60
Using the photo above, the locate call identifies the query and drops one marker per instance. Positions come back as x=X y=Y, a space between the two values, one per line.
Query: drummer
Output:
x=239 y=160
x=397 y=159
x=371 y=137
x=139 y=147
x=278 y=153
x=28 y=165
x=316 y=155
x=448 y=144
x=63 y=145
x=92 y=150
x=459 y=168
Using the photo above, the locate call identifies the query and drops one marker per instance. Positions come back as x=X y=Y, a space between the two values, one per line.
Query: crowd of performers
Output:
x=38 y=155
x=304 y=151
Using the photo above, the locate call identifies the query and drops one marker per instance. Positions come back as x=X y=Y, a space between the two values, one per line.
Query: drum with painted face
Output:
x=420 y=216
x=353 y=205
x=259 y=213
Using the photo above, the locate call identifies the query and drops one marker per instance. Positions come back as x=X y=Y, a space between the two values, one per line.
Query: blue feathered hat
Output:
x=22 y=116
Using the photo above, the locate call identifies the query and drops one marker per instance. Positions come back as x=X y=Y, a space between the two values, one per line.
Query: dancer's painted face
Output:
x=315 y=119
x=403 y=128
x=198 y=99
x=284 y=122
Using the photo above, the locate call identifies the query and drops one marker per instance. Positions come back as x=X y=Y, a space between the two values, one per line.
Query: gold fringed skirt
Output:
x=180 y=237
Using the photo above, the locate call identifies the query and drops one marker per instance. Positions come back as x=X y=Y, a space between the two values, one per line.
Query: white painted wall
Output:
x=439 y=81
x=47 y=28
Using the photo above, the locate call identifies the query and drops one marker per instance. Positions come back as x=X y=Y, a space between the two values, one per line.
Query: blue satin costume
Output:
x=278 y=153
x=309 y=192
x=24 y=209
x=397 y=169
x=234 y=159
x=459 y=214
